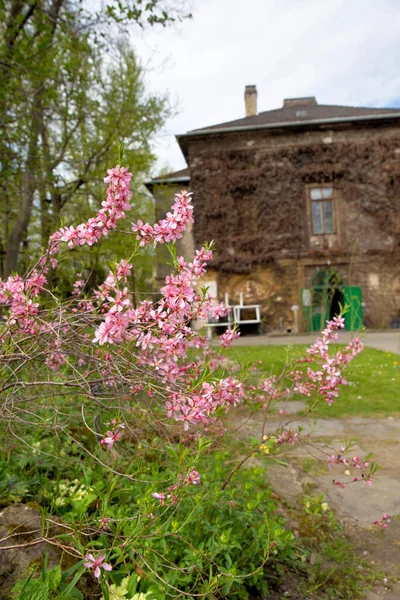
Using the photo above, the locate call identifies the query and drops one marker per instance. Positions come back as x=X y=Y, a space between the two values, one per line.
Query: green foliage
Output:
x=66 y=102
x=207 y=543
x=218 y=542
x=52 y=585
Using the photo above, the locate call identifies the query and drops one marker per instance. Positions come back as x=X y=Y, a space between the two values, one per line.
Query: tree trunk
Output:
x=20 y=229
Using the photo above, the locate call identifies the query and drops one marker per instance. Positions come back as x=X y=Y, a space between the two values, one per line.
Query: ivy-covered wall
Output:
x=250 y=198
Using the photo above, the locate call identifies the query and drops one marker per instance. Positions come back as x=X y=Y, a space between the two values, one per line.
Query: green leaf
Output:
x=53 y=578
x=133 y=584
x=72 y=570
x=69 y=588
x=35 y=590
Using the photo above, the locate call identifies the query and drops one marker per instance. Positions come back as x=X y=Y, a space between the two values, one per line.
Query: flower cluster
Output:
x=199 y=407
x=326 y=379
x=78 y=286
x=192 y=478
x=113 y=209
x=352 y=464
x=18 y=295
x=288 y=436
x=169 y=229
x=228 y=337
x=269 y=387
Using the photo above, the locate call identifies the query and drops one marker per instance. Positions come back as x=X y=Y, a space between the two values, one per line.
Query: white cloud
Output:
x=341 y=51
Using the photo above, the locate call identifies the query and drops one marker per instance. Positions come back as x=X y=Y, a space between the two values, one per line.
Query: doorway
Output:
x=327 y=297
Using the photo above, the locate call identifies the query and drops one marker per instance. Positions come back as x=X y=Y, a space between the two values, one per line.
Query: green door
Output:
x=353 y=300
x=320 y=308
x=314 y=308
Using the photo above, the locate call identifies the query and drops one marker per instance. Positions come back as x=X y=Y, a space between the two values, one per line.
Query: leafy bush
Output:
x=113 y=414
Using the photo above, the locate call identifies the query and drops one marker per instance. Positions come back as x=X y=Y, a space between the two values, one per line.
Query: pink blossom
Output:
x=161 y=497
x=228 y=337
x=113 y=209
x=95 y=564
x=288 y=436
x=219 y=311
x=104 y=523
x=338 y=322
x=78 y=286
x=111 y=437
x=382 y=522
x=55 y=360
x=123 y=269
x=194 y=477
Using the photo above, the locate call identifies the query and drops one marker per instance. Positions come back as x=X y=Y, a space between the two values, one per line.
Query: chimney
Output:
x=293 y=102
x=250 y=100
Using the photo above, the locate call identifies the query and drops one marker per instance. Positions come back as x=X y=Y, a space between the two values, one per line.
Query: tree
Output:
x=64 y=106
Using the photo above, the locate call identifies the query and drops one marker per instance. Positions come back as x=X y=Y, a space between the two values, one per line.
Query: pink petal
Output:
x=106 y=567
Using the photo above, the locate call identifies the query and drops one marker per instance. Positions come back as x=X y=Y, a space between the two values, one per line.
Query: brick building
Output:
x=303 y=204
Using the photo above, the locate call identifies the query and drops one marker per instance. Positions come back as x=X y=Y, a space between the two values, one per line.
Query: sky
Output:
x=341 y=51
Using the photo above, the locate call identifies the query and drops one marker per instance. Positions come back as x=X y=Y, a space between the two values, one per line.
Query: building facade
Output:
x=303 y=205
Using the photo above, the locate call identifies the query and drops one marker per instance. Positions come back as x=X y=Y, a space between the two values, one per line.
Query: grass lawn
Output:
x=373 y=376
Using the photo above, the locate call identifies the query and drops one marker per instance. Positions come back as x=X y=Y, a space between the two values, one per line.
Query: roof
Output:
x=299 y=110
x=295 y=113
x=182 y=176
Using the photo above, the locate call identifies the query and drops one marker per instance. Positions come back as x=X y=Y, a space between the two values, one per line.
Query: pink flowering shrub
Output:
x=72 y=364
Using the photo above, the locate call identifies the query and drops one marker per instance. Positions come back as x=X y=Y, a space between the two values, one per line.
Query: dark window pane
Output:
x=316 y=217
x=328 y=217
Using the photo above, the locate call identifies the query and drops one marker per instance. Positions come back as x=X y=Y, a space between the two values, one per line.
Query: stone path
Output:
x=357 y=505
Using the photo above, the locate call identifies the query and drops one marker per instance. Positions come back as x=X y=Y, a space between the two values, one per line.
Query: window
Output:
x=322 y=216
